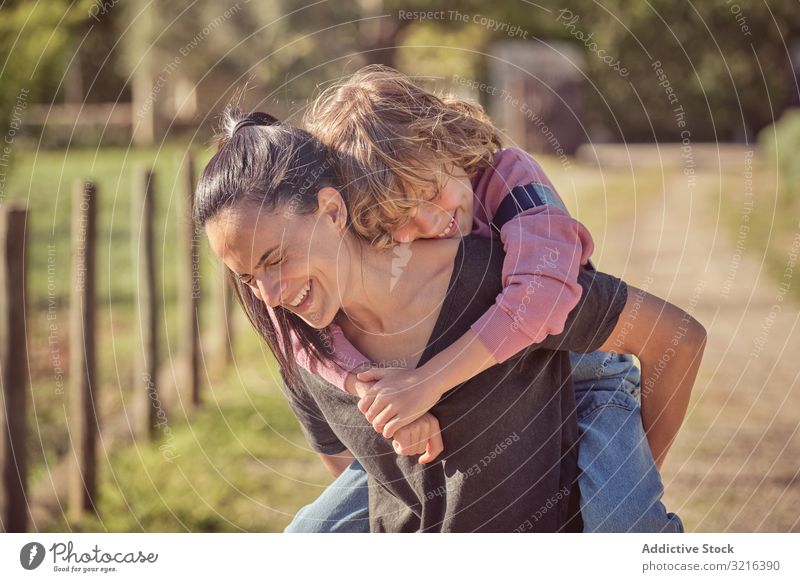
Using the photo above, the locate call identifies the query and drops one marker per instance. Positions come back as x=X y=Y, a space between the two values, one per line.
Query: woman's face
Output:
x=446 y=216
x=298 y=262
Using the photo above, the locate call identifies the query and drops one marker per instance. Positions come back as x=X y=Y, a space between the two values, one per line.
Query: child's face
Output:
x=447 y=216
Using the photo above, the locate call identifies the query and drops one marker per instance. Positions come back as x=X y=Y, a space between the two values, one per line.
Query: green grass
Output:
x=773 y=222
x=237 y=464
x=242 y=461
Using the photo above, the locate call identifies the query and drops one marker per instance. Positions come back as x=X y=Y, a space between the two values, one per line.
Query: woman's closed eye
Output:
x=274 y=263
x=251 y=279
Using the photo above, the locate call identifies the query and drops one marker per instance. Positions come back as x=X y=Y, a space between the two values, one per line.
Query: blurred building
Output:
x=538 y=95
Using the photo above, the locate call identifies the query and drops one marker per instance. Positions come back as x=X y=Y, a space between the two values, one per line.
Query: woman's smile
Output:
x=302 y=300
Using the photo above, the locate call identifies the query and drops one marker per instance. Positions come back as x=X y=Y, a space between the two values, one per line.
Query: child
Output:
x=406 y=155
x=419 y=166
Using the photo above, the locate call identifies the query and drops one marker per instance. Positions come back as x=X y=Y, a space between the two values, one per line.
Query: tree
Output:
x=35 y=45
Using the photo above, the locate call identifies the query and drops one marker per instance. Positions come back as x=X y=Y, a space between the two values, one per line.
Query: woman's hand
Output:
x=420 y=437
x=392 y=398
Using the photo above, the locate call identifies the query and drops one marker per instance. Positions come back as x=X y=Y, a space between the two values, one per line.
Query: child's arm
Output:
x=346 y=357
x=391 y=398
x=421 y=437
x=545 y=248
x=669 y=344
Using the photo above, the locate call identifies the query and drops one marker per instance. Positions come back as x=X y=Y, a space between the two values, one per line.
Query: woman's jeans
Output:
x=342 y=508
x=619 y=483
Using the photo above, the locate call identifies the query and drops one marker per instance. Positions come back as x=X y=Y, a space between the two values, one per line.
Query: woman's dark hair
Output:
x=269 y=165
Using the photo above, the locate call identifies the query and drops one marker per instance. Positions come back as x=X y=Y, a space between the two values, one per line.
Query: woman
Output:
x=275 y=214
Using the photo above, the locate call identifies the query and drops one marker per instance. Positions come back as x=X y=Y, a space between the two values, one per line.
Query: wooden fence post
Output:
x=146 y=300
x=83 y=415
x=13 y=370
x=189 y=300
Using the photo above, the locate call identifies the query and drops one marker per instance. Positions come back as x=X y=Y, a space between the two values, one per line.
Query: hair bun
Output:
x=256 y=118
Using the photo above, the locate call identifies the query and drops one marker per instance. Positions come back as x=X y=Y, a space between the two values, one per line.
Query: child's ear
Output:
x=331 y=205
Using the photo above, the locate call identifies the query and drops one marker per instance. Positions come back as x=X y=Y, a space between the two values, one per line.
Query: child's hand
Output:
x=421 y=437
x=353 y=386
x=396 y=397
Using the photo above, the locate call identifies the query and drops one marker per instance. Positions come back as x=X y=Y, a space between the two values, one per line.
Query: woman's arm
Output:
x=669 y=344
x=337 y=463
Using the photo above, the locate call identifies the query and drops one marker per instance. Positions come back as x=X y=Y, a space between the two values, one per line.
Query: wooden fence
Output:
x=13 y=369
x=83 y=418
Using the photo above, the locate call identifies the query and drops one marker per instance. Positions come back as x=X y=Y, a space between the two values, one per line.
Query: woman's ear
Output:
x=331 y=205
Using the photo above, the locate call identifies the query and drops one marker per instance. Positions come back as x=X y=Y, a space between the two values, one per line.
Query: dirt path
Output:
x=736 y=464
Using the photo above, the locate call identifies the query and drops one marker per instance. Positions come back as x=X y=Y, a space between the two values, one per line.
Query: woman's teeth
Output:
x=302 y=295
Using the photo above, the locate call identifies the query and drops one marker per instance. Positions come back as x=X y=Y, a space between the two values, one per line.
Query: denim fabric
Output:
x=342 y=508
x=620 y=485
x=606 y=371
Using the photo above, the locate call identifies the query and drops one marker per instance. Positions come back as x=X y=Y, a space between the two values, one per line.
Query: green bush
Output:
x=780 y=143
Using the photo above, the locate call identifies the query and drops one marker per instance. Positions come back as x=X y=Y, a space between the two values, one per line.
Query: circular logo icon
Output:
x=31 y=555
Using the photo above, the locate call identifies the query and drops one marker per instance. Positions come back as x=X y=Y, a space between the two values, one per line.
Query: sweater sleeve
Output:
x=346 y=356
x=545 y=248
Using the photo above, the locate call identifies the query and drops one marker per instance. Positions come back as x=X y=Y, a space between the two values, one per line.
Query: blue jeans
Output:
x=342 y=508
x=619 y=483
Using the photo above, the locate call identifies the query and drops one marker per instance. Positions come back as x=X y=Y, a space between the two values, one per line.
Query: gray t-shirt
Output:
x=510 y=434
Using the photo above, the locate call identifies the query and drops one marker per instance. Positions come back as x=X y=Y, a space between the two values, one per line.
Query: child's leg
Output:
x=620 y=485
x=342 y=508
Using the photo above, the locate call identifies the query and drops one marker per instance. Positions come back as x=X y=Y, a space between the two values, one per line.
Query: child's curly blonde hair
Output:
x=392 y=139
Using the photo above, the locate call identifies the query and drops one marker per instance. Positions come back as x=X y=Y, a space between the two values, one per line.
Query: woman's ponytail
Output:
x=234 y=119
